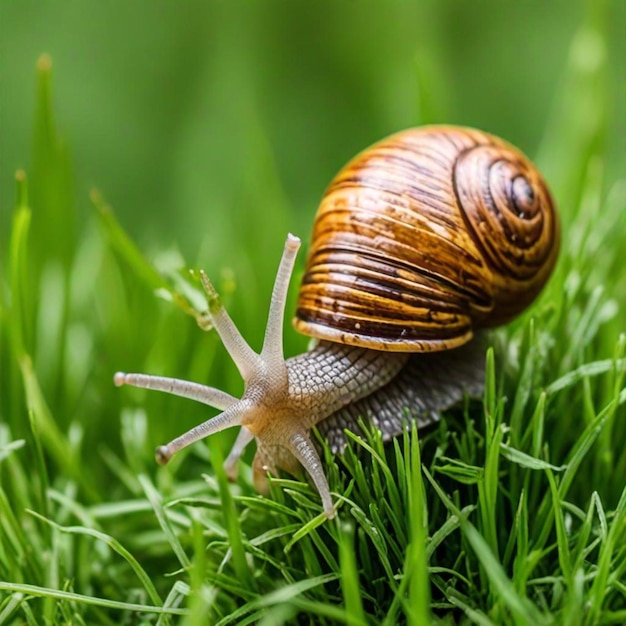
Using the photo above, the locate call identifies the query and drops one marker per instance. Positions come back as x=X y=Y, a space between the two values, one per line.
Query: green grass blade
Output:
x=612 y=549
x=350 y=577
x=416 y=563
x=127 y=250
x=54 y=226
x=522 y=611
x=157 y=505
x=115 y=545
x=561 y=533
x=67 y=596
x=231 y=519
x=577 y=128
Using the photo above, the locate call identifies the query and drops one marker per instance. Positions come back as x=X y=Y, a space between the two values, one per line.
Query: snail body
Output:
x=420 y=242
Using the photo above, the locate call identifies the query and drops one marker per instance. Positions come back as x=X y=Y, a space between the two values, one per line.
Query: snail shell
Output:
x=419 y=242
x=424 y=238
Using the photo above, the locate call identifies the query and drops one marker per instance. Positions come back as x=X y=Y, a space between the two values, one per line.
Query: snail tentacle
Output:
x=230 y=417
x=232 y=460
x=272 y=351
x=306 y=453
x=248 y=362
x=211 y=396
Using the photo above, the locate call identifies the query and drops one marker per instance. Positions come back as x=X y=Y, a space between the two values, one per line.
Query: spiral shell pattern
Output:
x=424 y=238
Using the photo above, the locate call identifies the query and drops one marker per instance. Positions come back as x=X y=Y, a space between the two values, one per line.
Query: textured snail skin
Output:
x=427 y=384
x=420 y=242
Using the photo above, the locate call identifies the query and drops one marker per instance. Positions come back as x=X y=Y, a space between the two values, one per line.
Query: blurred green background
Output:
x=182 y=112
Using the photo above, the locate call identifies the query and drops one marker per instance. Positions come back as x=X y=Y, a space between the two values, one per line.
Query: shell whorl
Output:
x=424 y=238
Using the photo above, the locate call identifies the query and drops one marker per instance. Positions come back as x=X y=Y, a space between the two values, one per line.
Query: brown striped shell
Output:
x=424 y=238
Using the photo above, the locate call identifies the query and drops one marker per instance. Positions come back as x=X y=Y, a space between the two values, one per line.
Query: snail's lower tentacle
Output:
x=232 y=460
x=230 y=417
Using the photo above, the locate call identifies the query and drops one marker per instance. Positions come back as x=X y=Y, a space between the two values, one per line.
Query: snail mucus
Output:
x=419 y=243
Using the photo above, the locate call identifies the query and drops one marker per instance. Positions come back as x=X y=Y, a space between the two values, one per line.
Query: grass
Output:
x=511 y=511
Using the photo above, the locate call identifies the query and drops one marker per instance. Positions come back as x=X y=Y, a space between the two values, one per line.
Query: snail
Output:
x=419 y=243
